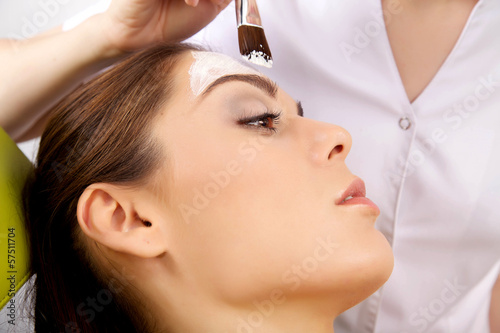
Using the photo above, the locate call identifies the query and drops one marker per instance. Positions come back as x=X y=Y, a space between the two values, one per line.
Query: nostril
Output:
x=336 y=150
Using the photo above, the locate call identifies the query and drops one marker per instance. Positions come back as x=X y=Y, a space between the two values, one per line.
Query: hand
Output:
x=130 y=25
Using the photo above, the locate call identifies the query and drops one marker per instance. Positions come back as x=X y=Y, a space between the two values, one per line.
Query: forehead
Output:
x=206 y=67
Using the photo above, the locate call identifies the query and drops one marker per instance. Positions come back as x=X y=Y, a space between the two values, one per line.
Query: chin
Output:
x=376 y=273
x=366 y=275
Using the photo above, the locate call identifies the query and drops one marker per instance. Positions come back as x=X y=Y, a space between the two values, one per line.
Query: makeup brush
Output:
x=251 y=37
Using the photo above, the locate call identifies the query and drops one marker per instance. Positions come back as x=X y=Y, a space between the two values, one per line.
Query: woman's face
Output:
x=255 y=192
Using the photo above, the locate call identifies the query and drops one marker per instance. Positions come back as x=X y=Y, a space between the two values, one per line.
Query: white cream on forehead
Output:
x=209 y=66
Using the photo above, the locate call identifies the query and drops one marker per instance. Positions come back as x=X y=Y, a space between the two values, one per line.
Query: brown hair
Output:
x=99 y=133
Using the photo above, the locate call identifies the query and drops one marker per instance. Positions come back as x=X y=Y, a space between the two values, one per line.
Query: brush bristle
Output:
x=253 y=45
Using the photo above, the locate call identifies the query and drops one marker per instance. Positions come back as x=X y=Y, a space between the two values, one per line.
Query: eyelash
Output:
x=271 y=118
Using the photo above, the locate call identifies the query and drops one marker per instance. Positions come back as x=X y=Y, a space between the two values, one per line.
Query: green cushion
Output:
x=14 y=255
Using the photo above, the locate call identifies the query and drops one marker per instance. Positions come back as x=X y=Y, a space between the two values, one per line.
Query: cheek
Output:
x=252 y=210
x=232 y=207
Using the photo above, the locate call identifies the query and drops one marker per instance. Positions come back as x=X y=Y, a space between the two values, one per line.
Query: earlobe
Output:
x=109 y=215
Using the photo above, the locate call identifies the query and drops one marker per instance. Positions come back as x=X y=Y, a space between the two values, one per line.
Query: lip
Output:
x=357 y=191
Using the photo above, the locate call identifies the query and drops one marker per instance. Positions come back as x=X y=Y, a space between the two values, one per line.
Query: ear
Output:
x=110 y=215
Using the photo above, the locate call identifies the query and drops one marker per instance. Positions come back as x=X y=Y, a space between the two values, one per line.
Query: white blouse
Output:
x=432 y=166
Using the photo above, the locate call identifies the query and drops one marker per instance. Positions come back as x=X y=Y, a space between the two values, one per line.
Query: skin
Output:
x=38 y=72
x=422 y=34
x=60 y=63
x=259 y=239
x=495 y=308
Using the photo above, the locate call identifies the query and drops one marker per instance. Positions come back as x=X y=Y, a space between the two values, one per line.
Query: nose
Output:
x=327 y=142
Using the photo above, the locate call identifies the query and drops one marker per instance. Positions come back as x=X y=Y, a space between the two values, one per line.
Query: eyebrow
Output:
x=263 y=83
x=269 y=87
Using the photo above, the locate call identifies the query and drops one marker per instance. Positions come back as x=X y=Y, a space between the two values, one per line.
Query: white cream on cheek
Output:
x=208 y=67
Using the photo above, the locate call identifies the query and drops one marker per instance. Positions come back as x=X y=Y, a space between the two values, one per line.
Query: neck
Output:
x=174 y=302
x=179 y=309
x=261 y=317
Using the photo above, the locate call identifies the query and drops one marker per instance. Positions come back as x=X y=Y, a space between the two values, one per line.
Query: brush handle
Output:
x=247 y=13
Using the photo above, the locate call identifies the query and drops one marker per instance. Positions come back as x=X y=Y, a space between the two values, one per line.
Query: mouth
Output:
x=355 y=190
x=355 y=194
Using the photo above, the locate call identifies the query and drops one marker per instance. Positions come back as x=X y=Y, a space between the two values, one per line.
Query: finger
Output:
x=192 y=3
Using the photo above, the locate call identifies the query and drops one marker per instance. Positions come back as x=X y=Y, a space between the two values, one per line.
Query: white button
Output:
x=404 y=123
